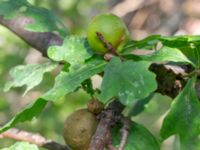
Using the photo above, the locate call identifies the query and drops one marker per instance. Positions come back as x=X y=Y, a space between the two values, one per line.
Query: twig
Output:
x=33 y=138
x=108 y=118
x=108 y=56
x=109 y=142
x=107 y=44
x=124 y=132
x=111 y=147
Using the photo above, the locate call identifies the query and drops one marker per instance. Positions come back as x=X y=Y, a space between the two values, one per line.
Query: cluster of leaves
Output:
x=129 y=80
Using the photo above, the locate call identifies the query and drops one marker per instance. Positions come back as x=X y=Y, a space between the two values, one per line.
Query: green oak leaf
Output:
x=193 y=54
x=30 y=75
x=43 y=20
x=167 y=54
x=139 y=138
x=128 y=81
x=140 y=105
x=67 y=82
x=183 y=118
x=180 y=40
x=146 y=43
x=187 y=44
x=186 y=48
x=151 y=41
x=22 y=146
x=75 y=50
x=28 y=113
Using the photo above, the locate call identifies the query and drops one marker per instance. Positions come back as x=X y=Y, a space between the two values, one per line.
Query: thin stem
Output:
x=107 y=44
x=20 y=135
x=124 y=132
x=108 y=118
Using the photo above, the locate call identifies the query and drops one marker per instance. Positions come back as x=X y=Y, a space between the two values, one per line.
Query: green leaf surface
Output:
x=193 y=54
x=43 y=20
x=139 y=138
x=28 y=113
x=167 y=54
x=188 y=45
x=183 y=118
x=128 y=81
x=10 y=8
x=180 y=41
x=30 y=75
x=170 y=41
x=75 y=50
x=67 y=82
x=146 y=43
x=140 y=105
x=88 y=87
x=22 y=146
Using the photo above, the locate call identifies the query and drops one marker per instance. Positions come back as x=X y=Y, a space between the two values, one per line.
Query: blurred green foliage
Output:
x=13 y=51
x=74 y=13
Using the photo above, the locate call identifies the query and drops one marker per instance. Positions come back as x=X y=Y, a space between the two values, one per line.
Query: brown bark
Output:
x=39 y=40
x=108 y=118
